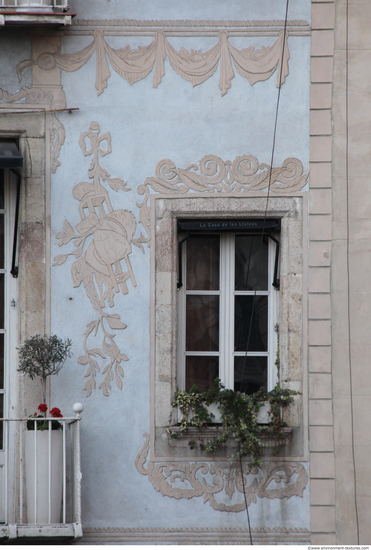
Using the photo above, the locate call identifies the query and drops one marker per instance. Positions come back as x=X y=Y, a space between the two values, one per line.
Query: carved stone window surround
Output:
x=167 y=209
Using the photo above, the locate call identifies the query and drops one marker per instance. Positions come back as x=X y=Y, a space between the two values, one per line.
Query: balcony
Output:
x=40 y=481
x=35 y=12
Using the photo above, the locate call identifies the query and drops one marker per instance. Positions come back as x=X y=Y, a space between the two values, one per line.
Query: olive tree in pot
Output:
x=42 y=356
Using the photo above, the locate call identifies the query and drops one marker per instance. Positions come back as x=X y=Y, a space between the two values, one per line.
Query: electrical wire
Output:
x=348 y=257
x=260 y=248
x=247 y=508
x=267 y=200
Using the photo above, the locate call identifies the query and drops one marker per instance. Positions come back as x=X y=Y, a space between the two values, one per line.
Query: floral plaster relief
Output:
x=208 y=480
x=213 y=175
x=102 y=245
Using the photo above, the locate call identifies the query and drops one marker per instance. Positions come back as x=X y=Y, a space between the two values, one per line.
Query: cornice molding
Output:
x=187 y=23
x=197 y=536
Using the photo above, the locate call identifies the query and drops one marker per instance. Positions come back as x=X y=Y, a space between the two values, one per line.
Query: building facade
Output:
x=158 y=143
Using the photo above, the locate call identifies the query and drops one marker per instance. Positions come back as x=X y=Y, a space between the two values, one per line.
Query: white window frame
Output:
x=227 y=293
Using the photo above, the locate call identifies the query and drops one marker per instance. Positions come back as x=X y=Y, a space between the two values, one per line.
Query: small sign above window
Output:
x=249 y=225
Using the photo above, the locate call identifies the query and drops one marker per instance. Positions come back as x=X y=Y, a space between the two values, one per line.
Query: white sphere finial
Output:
x=78 y=408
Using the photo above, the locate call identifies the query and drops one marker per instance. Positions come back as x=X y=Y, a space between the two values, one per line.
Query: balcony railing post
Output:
x=78 y=408
x=6 y=442
x=50 y=473
x=35 y=457
x=20 y=473
x=64 y=471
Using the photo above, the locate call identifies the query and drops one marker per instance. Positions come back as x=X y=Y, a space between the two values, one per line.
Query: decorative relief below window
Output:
x=210 y=480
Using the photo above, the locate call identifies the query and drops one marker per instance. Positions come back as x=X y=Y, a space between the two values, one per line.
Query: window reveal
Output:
x=221 y=272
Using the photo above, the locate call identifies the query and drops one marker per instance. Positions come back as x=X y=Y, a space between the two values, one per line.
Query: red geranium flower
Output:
x=56 y=413
x=43 y=407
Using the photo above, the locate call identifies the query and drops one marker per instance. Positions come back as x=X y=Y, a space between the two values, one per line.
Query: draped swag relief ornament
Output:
x=213 y=175
x=194 y=65
x=200 y=479
x=102 y=241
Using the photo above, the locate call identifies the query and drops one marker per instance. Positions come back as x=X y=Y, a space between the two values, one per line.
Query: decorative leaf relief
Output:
x=102 y=244
x=208 y=480
x=57 y=136
x=116 y=184
x=60 y=259
x=213 y=175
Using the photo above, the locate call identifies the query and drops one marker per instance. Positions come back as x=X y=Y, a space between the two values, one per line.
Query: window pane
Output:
x=201 y=371
x=1 y=361
x=259 y=324
x=2 y=276
x=2 y=172
x=202 y=323
x=251 y=263
x=203 y=263
x=253 y=373
x=1 y=423
x=1 y=241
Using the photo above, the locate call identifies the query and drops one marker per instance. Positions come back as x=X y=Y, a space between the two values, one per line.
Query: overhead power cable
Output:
x=261 y=244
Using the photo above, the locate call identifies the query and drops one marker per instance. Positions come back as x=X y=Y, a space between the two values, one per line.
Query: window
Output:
x=227 y=304
x=168 y=302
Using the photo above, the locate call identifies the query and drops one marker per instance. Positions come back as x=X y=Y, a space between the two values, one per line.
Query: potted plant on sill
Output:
x=239 y=418
x=43 y=356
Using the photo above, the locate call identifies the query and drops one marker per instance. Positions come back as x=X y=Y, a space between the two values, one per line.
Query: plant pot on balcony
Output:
x=34 y=6
x=39 y=477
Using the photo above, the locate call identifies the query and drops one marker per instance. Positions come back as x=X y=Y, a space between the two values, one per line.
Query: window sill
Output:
x=201 y=436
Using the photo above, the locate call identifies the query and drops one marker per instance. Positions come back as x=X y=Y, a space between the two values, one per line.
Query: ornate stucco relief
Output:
x=48 y=98
x=194 y=65
x=213 y=175
x=102 y=242
x=200 y=479
x=46 y=95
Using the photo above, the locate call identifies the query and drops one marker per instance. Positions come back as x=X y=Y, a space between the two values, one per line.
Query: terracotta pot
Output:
x=42 y=487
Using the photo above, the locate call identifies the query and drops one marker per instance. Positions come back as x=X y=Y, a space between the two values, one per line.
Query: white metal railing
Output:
x=34 y=4
x=15 y=430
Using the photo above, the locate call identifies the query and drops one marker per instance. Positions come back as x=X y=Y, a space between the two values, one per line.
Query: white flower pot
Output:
x=42 y=487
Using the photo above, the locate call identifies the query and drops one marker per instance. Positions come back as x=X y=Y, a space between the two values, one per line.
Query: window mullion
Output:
x=181 y=325
x=272 y=320
x=229 y=313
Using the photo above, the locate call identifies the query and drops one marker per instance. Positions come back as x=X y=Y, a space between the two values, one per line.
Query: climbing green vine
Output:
x=239 y=413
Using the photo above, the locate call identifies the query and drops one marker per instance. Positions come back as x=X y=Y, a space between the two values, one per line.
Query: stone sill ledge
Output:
x=55 y=532
x=201 y=436
x=35 y=19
